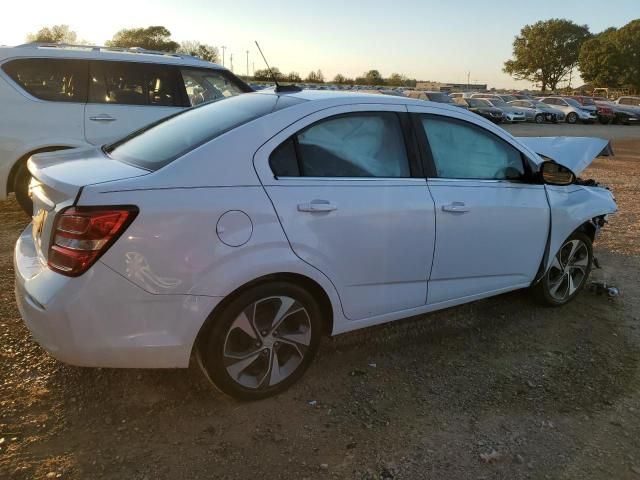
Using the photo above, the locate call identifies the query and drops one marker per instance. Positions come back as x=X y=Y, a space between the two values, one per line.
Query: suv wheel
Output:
x=262 y=341
x=21 y=188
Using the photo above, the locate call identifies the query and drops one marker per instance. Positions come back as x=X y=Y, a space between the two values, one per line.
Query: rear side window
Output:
x=162 y=142
x=130 y=83
x=204 y=85
x=368 y=144
x=55 y=80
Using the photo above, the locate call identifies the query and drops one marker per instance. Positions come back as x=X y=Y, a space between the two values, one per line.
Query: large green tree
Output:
x=54 y=34
x=546 y=52
x=150 y=38
x=612 y=58
x=200 y=50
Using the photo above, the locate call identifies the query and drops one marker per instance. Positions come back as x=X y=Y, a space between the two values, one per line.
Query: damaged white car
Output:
x=242 y=231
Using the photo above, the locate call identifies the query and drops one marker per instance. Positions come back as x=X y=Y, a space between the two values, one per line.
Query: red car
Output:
x=605 y=114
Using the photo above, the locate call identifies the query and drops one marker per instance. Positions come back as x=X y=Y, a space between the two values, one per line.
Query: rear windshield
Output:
x=160 y=143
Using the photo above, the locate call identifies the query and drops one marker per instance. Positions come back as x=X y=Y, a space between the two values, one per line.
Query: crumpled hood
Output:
x=575 y=153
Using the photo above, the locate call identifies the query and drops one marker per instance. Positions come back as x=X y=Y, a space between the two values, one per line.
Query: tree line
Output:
x=150 y=38
x=547 y=53
x=372 y=77
x=159 y=38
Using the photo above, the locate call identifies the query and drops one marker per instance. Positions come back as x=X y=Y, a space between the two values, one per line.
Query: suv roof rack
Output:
x=101 y=48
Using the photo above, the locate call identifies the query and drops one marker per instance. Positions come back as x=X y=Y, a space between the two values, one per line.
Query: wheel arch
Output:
x=21 y=160
x=313 y=287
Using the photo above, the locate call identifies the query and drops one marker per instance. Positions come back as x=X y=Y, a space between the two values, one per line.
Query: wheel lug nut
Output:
x=265 y=351
x=258 y=344
x=264 y=333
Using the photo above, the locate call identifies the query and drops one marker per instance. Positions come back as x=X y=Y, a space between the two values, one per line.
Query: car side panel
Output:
x=572 y=206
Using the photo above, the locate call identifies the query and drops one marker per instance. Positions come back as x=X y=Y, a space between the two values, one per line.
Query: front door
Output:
x=350 y=207
x=491 y=224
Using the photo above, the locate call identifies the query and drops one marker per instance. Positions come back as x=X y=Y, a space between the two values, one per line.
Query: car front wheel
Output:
x=539 y=118
x=262 y=341
x=568 y=272
x=572 y=118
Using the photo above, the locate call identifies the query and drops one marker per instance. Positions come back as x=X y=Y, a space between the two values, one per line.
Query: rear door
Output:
x=491 y=224
x=126 y=96
x=349 y=195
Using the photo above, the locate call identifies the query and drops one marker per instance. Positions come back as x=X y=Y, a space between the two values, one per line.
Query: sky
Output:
x=435 y=40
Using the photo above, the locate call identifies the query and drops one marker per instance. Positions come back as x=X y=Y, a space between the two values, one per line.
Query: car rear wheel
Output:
x=539 y=118
x=262 y=341
x=572 y=118
x=21 y=188
x=604 y=120
x=568 y=272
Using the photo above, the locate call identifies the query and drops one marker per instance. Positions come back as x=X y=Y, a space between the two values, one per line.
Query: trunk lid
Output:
x=575 y=153
x=57 y=180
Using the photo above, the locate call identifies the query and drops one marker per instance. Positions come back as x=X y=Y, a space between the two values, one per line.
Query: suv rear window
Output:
x=56 y=80
x=160 y=143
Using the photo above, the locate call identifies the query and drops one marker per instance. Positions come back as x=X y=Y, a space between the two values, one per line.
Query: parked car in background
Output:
x=522 y=96
x=507 y=97
x=629 y=101
x=244 y=230
x=482 y=108
x=456 y=95
x=535 y=113
x=438 y=97
x=572 y=109
x=622 y=114
x=511 y=114
x=550 y=114
x=57 y=97
x=603 y=112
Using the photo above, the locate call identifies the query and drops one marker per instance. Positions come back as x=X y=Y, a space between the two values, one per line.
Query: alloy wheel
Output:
x=568 y=270
x=267 y=342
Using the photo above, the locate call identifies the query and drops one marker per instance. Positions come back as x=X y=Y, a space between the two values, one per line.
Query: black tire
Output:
x=604 y=120
x=544 y=288
x=21 y=188
x=213 y=347
x=539 y=118
x=572 y=118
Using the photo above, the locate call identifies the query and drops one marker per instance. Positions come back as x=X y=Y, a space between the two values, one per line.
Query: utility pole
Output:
x=468 y=85
x=231 y=61
x=253 y=68
x=223 y=49
x=247 y=63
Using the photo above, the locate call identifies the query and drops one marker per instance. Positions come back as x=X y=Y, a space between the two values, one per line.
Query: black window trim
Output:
x=429 y=162
x=408 y=135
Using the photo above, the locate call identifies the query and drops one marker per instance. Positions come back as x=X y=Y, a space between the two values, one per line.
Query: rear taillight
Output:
x=81 y=235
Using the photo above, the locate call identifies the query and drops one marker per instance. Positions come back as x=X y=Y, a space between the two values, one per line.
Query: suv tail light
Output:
x=81 y=235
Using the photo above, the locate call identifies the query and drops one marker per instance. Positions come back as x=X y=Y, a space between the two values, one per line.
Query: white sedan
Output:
x=244 y=230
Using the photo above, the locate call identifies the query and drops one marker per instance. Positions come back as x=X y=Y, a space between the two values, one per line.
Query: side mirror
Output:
x=553 y=173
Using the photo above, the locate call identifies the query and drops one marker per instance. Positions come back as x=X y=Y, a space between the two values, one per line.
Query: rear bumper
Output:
x=100 y=319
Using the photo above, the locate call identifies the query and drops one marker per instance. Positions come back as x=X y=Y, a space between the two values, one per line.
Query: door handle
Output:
x=102 y=118
x=455 y=207
x=317 y=206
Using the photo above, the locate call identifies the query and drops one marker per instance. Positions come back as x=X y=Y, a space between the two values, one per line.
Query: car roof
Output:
x=95 y=52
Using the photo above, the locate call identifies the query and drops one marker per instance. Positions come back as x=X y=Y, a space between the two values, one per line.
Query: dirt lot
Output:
x=498 y=389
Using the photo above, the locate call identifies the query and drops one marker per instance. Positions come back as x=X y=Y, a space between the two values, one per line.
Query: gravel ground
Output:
x=497 y=389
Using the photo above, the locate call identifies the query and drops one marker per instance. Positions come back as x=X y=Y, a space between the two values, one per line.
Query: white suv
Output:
x=56 y=97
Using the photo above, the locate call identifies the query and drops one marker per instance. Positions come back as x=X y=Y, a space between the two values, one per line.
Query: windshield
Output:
x=498 y=102
x=508 y=98
x=572 y=102
x=477 y=103
x=439 y=97
x=587 y=101
x=160 y=143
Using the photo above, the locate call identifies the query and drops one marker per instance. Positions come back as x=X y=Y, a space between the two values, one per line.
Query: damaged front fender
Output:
x=571 y=207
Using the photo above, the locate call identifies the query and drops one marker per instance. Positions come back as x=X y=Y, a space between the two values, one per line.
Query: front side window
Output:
x=55 y=80
x=204 y=85
x=463 y=150
x=130 y=83
x=367 y=144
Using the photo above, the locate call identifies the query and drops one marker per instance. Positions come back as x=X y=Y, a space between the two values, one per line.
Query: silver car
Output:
x=538 y=112
x=511 y=114
x=572 y=109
